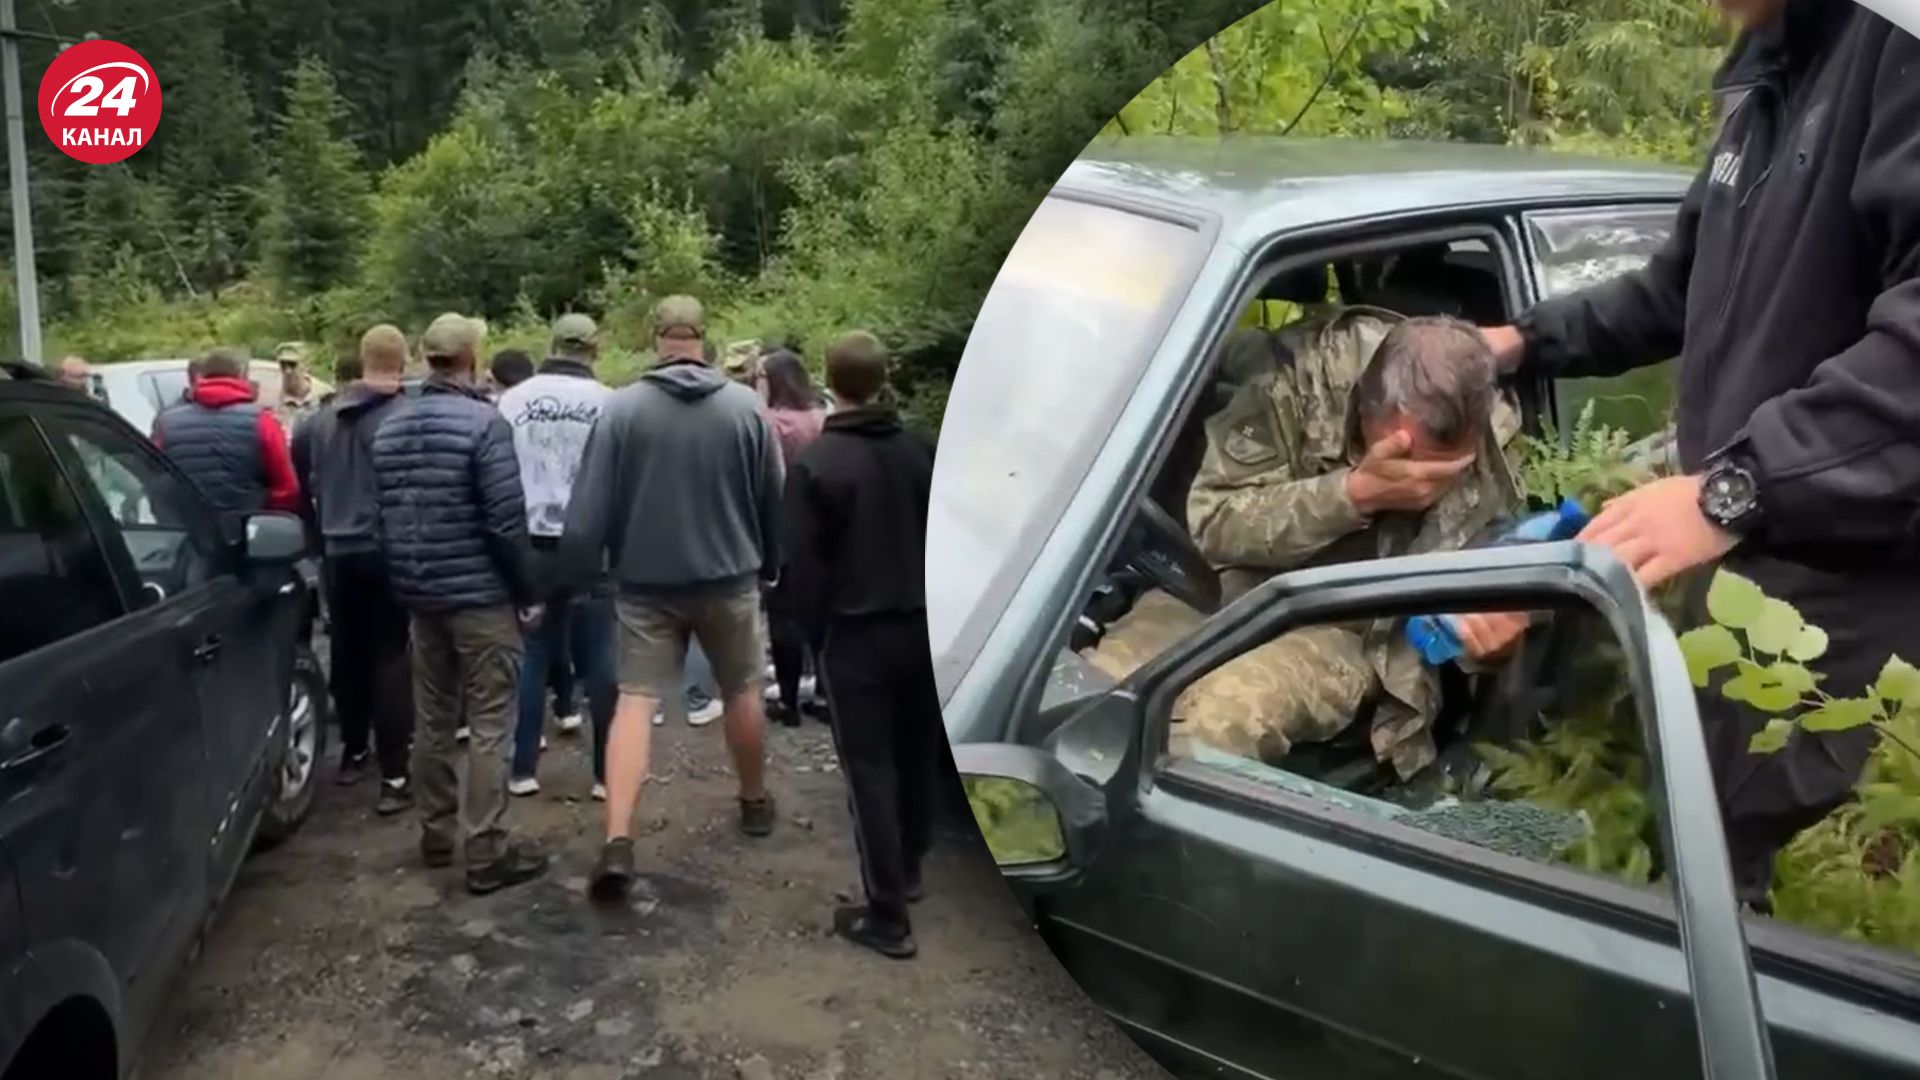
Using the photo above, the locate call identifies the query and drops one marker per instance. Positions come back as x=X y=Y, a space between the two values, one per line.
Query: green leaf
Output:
x=1840 y=714
x=1734 y=601
x=1772 y=738
x=1899 y=682
x=1708 y=648
x=1776 y=629
x=1791 y=677
x=1810 y=645
x=1878 y=813
x=1758 y=689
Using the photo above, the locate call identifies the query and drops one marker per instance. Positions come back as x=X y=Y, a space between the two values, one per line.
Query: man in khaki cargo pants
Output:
x=453 y=528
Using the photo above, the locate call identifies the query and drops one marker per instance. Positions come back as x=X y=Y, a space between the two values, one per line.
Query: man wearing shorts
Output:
x=678 y=496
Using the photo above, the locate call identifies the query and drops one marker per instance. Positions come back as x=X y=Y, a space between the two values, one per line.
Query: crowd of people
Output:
x=497 y=546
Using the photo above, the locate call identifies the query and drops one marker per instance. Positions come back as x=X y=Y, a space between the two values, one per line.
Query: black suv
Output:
x=159 y=716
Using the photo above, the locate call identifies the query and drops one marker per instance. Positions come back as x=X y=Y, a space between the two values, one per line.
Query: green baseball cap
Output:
x=451 y=335
x=290 y=352
x=578 y=331
x=679 y=313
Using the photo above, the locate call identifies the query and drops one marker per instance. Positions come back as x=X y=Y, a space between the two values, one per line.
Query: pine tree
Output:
x=317 y=201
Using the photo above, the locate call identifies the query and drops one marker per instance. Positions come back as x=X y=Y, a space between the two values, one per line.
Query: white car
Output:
x=139 y=389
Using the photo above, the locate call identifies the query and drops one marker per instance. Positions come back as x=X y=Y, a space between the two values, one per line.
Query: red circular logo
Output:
x=100 y=102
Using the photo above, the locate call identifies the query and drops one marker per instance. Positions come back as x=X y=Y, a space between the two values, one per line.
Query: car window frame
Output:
x=27 y=412
x=1254 y=270
x=224 y=562
x=1546 y=386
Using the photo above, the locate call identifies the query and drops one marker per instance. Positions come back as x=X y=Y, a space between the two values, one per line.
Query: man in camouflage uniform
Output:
x=296 y=387
x=1379 y=437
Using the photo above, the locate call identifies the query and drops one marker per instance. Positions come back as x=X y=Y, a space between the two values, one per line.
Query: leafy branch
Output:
x=1768 y=646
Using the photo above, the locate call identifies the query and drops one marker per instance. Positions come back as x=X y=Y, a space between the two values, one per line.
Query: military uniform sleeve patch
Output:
x=1245 y=430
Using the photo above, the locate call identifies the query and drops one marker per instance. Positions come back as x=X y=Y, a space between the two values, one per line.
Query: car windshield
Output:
x=165 y=386
x=1063 y=337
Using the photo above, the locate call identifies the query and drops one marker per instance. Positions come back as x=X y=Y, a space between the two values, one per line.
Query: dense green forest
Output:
x=806 y=165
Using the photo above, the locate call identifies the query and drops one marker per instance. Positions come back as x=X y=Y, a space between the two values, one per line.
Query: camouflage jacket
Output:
x=1271 y=496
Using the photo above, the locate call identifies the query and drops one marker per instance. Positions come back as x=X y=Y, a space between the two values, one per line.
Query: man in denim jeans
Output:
x=551 y=415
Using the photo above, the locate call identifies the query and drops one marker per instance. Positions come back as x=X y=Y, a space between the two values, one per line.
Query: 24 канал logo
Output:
x=100 y=102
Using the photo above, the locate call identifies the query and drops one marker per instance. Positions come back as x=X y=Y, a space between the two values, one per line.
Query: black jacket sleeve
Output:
x=301 y=447
x=503 y=509
x=1838 y=460
x=772 y=483
x=806 y=529
x=1631 y=321
x=593 y=528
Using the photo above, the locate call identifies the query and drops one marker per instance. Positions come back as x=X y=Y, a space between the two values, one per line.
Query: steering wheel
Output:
x=1158 y=549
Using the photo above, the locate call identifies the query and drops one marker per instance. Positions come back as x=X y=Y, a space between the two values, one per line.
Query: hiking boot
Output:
x=757 y=816
x=613 y=873
x=517 y=864
x=395 y=797
x=354 y=768
x=857 y=924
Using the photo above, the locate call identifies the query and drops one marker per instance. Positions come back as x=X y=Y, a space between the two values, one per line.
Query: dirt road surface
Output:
x=339 y=957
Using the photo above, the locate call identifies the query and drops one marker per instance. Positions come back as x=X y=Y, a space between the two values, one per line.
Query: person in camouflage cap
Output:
x=1382 y=437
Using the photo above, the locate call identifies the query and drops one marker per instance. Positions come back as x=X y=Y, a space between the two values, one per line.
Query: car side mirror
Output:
x=1042 y=823
x=274 y=540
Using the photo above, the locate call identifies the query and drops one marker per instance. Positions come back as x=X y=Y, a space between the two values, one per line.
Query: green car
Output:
x=1240 y=919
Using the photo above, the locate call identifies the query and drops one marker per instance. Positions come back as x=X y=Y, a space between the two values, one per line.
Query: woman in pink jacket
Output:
x=796 y=411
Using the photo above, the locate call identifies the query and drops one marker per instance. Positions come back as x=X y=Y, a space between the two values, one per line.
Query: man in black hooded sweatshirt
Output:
x=854 y=525
x=1790 y=289
x=372 y=687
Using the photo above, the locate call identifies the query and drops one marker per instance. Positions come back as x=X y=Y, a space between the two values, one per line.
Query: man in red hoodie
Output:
x=234 y=450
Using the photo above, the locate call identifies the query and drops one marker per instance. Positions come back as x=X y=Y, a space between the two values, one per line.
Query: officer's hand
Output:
x=1387 y=479
x=1509 y=348
x=531 y=617
x=1491 y=637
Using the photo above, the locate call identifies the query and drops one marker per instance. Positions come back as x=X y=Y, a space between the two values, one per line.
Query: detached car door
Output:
x=1240 y=924
x=234 y=636
x=102 y=804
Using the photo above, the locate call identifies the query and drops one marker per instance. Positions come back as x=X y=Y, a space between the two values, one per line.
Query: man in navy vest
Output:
x=234 y=450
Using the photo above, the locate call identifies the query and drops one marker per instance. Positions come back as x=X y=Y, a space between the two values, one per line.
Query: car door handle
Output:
x=208 y=649
x=42 y=743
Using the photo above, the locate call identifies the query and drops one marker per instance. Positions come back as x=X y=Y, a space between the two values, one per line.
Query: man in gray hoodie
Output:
x=678 y=495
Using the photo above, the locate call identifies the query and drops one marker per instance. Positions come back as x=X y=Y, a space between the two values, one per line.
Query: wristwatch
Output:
x=1729 y=497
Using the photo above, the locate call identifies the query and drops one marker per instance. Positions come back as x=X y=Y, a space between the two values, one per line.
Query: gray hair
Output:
x=1438 y=371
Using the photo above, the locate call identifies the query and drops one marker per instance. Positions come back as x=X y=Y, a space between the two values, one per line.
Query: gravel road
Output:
x=338 y=956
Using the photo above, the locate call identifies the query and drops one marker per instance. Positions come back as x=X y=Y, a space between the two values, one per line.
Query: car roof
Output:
x=1258 y=186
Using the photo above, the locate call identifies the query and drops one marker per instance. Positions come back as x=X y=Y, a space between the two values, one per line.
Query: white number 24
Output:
x=119 y=99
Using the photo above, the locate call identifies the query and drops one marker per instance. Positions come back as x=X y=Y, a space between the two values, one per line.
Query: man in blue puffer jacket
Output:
x=453 y=527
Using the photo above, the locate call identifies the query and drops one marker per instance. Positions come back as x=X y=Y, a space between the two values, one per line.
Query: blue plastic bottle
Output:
x=1435 y=636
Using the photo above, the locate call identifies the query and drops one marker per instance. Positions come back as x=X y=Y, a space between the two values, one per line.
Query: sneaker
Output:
x=701 y=709
x=519 y=863
x=462 y=733
x=757 y=816
x=599 y=792
x=659 y=716
x=857 y=924
x=354 y=768
x=543 y=742
x=613 y=873
x=568 y=724
x=395 y=796
x=523 y=786
x=809 y=687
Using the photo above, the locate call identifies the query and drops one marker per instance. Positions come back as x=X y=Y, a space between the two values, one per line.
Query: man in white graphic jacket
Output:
x=552 y=414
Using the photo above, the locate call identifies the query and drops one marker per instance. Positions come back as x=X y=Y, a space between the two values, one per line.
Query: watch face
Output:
x=1729 y=495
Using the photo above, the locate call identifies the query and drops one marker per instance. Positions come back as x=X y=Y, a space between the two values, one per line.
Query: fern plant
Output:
x=1594 y=464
